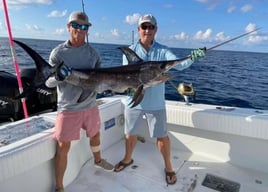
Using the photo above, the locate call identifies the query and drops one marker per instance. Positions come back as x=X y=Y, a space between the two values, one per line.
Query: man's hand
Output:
x=63 y=72
x=130 y=92
x=198 y=53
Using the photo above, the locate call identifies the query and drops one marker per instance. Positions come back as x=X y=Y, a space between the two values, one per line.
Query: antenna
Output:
x=83 y=8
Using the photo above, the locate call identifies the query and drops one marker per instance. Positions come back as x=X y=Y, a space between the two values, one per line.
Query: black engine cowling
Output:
x=11 y=109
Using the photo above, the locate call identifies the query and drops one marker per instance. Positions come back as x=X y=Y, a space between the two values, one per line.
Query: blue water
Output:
x=229 y=78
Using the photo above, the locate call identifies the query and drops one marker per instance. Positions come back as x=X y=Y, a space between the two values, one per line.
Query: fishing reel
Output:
x=186 y=91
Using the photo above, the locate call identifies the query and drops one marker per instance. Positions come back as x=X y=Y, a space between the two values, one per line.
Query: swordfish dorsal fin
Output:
x=131 y=56
x=43 y=71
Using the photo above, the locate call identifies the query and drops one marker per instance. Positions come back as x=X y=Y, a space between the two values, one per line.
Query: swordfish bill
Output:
x=138 y=75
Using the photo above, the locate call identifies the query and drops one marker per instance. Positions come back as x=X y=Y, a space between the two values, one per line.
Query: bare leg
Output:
x=94 y=142
x=61 y=162
x=163 y=145
x=130 y=143
x=96 y=150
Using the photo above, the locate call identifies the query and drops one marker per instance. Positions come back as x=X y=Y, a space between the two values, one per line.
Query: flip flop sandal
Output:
x=121 y=166
x=170 y=177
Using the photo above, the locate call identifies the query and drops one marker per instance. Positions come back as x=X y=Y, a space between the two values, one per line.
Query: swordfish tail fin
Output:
x=43 y=71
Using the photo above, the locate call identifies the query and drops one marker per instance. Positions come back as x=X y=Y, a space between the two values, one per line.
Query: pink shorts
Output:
x=69 y=123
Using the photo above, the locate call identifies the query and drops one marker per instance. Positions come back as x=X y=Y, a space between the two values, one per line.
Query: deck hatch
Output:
x=220 y=184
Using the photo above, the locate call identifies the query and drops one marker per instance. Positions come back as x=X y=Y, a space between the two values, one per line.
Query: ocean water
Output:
x=229 y=78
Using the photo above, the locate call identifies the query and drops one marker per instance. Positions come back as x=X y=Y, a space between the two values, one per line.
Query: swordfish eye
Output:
x=163 y=66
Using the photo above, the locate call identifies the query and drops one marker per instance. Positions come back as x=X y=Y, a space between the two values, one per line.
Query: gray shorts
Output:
x=156 y=122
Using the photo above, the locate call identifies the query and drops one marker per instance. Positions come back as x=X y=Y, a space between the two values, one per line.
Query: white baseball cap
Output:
x=79 y=17
x=148 y=18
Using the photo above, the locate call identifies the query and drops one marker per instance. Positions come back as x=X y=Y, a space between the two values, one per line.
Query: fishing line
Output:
x=173 y=85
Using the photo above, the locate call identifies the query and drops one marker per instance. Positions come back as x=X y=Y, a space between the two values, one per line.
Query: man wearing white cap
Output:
x=76 y=109
x=153 y=103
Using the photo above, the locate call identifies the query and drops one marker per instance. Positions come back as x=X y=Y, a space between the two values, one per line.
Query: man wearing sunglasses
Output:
x=76 y=109
x=153 y=103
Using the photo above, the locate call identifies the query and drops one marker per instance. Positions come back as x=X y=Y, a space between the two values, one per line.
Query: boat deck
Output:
x=213 y=149
x=147 y=173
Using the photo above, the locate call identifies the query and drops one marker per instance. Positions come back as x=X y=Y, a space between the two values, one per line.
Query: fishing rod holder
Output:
x=186 y=99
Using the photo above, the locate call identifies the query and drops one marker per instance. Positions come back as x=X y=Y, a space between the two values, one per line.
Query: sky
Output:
x=181 y=23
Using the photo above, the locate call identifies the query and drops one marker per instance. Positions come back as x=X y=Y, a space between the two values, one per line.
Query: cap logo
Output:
x=81 y=16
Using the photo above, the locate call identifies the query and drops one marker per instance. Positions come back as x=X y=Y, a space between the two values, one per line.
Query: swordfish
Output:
x=138 y=74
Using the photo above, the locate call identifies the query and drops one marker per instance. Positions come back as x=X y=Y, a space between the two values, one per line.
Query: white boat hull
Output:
x=230 y=143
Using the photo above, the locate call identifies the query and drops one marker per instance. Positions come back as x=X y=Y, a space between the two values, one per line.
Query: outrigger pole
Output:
x=16 y=64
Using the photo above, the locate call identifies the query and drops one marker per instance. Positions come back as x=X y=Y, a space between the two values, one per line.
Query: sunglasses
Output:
x=83 y=27
x=145 y=27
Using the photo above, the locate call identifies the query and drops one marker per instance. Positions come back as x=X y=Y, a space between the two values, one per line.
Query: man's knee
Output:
x=63 y=147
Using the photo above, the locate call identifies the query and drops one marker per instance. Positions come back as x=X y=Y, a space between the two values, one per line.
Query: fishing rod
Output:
x=223 y=43
x=211 y=48
x=237 y=37
x=218 y=45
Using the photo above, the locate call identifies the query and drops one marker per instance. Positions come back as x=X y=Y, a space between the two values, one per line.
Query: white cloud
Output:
x=246 y=8
x=27 y=26
x=132 y=19
x=200 y=35
x=59 y=31
x=221 y=37
x=36 y=28
x=211 y=4
x=168 y=6
x=1 y=25
x=56 y=13
x=20 y=2
x=98 y=36
x=203 y=1
x=181 y=36
x=257 y=39
x=254 y=37
x=33 y=27
x=231 y=9
x=251 y=27
x=115 y=32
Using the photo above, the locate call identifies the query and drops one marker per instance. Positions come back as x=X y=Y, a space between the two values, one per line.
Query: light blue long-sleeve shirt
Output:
x=154 y=97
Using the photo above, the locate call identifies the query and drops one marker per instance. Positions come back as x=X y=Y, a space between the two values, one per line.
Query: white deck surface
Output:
x=147 y=173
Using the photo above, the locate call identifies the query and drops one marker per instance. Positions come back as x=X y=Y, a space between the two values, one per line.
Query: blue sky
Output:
x=181 y=23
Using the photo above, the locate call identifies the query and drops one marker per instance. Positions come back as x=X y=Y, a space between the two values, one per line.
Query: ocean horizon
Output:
x=222 y=78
